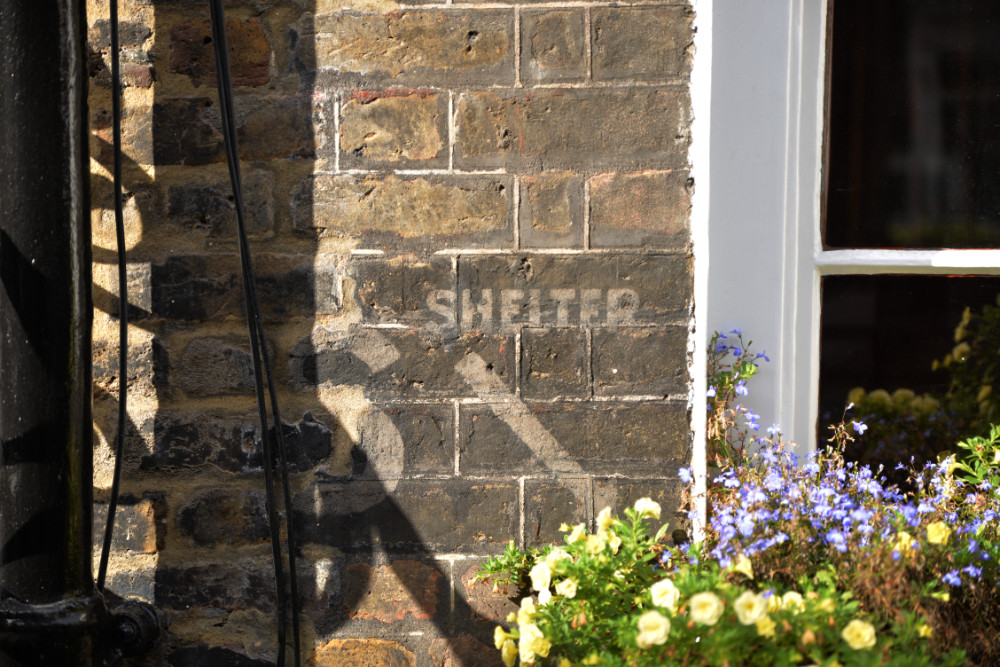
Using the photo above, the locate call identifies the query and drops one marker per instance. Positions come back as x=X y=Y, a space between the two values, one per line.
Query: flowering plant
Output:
x=812 y=561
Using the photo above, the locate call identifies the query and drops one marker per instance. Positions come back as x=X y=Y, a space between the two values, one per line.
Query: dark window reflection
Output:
x=913 y=151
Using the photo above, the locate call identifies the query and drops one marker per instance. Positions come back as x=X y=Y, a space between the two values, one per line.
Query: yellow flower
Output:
x=967 y=313
x=773 y=602
x=984 y=392
x=881 y=398
x=564 y=527
x=903 y=542
x=793 y=601
x=614 y=541
x=665 y=594
x=604 y=519
x=960 y=333
x=565 y=663
x=566 y=588
x=595 y=544
x=827 y=605
x=938 y=532
x=743 y=566
x=647 y=508
x=541 y=576
x=924 y=630
x=557 y=554
x=961 y=352
x=765 y=626
x=544 y=596
x=500 y=636
x=576 y=535
x=526 y=614
x=859 y=634
x=706 y=608
x=935 y=365
x=533 y=643
x=592 y=659
x=750 y=607
x=508 y=653
x=946 y=362
x=653 y=629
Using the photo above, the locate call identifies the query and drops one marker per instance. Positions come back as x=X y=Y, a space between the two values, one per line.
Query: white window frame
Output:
x=766 y=257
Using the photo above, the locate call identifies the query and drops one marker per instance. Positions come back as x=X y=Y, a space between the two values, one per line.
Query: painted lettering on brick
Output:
x=489 y=309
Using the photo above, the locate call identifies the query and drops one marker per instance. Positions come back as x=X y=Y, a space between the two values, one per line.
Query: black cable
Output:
x=116 y=130
x=261 y=361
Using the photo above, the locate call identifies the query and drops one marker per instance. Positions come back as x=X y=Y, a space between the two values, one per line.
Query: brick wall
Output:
x=470 y=223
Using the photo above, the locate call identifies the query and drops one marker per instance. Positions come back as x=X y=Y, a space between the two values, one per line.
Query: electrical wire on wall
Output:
x=261 y=361
x=273 y=453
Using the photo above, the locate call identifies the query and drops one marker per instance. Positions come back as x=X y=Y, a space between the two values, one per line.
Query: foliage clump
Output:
x=804 y=561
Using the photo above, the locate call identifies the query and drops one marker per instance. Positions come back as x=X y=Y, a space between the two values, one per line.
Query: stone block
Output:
x=363 y=653
x=388 y=593
x=214 y=366
x=426 y=431
x=405 y=290
x=488 y=605
x=554 y=363
x=203 y=655
x=505 y=292
x=387 y=211
x=140 y=523
x=608 y=438
x=551 y=212
x=640 y=361
x=391 y=364
x=215 y=516
x=553 y=46
x=641 y=43
x=637 y=128
x=416 y=517
x=461 y=651
x=230 y=584
x=548 y=503
x=185 y=131
x=399 y=128
x=192 y=52
x=646 y=209
x=209 y=205
x=426 y=47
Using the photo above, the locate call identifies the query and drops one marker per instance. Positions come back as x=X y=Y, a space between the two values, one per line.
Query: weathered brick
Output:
x=426 y=431
x=621 y=492
x=486 y=604
x=140 y=523
x=363 y=653
x=209 y=205
x=230 y=584
x=272 y=127
x=403 y=290
x=501 y=292
x=130 y=33
x=641 y=43
x=222 y=516
x=550 y=503
x=462 y=651
x=386 y=211
x=593 y=437
x=185 y=131
x=554 y=363
x=640 y=361
x=559 y=129
x=213 y=366
x=212 y=656
x=551 y=212
x=642 y=209
x=395 y=127
x=192 y=52
x=389 y=592
x=420 y=46
x=232 y=444
x=417 y=517
x=208 y=287
x=391 y=363
x=552 y=45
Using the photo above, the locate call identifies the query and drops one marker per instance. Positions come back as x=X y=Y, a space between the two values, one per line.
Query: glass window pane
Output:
x=886 y=332
x=913 y=150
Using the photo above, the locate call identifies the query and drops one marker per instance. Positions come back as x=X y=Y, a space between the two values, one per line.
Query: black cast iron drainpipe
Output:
x=50 y=612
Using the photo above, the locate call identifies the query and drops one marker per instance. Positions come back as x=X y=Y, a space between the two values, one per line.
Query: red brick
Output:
x=462 y=652
x=192 y=52
x=389 y=592
x=362 y=653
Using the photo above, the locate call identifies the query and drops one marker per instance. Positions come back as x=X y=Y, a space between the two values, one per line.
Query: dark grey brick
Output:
x=554 y=363
x=640 y=361
x=548 y=503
